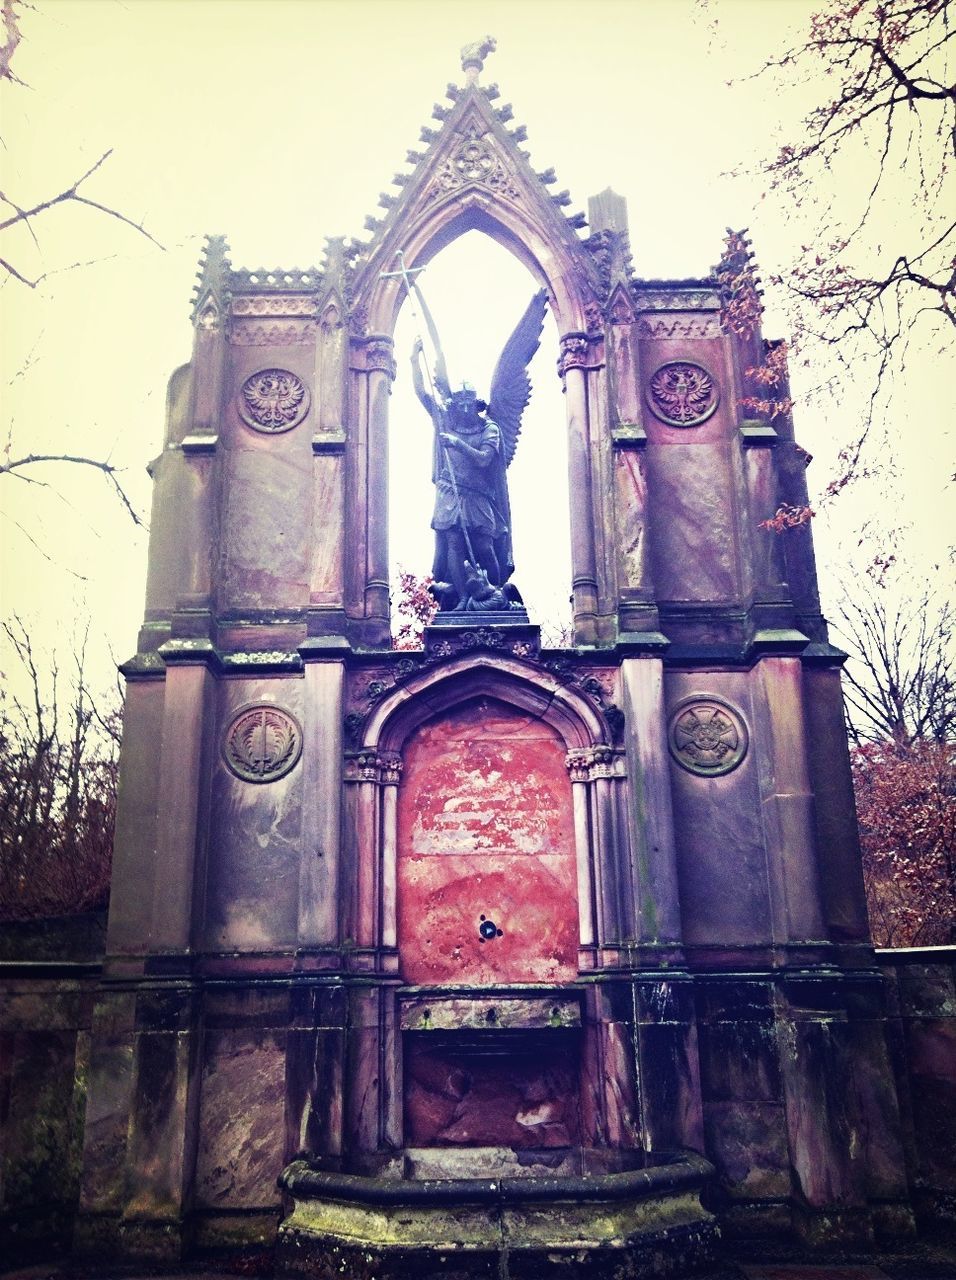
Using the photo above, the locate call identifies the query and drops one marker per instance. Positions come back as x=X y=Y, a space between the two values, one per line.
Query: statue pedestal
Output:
x=468 y=620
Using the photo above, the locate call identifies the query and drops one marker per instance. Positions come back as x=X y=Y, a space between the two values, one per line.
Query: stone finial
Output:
x=210 y=294
x=473 y=57
x=607 y=211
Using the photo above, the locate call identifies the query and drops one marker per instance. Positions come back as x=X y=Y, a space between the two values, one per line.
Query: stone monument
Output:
x=488 y=955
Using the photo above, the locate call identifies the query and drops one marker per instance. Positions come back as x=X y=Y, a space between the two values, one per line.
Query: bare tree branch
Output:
x=112 y=473
x=71 y=193
x=867 y=274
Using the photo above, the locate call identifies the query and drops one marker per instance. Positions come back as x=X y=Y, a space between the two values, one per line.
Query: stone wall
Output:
x=268 y=1089
x=48 y=975
x=921 y=1031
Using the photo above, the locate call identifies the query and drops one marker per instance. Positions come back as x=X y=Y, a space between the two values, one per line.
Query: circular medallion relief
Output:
x=682 y=394
x=707 y=736
x=262 y=743
x=273 y=400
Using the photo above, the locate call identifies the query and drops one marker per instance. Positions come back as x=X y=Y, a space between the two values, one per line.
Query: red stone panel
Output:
x=523 y=1096
x=485 y=828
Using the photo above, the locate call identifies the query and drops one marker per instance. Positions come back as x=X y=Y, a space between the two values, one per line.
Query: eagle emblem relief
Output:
x=273 y=400
x=682 y=394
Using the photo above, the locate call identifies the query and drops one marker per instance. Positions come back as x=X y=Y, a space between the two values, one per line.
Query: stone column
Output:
x=584 y=584
x=381 y=371
x=577 y=767
x=656 y=919
x=787 y=802
x=766 y=550
x=134 y=839
x=319 y=868
x=391 y=772
x=161 y=1153
x=838 y=838
x=185 y=752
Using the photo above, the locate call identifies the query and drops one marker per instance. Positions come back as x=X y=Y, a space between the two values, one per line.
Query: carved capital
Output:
x=586 y=764
x=390 y=768
x=378 y=355
x=382 y=768
x=573 y=352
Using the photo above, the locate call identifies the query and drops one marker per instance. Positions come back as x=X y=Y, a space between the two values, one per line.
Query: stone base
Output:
x=469 y=618
x=649 y=1221
x=159 y=1241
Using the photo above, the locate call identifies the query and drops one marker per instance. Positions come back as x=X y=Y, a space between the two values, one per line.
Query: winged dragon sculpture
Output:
x=475 y=442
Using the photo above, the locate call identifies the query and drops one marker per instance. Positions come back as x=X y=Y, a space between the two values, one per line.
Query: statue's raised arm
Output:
x=418 y=382
x=511 y=383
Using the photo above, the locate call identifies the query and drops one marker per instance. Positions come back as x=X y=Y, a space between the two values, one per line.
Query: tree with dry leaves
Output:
x=58 y=775
x=415 y=607
x=900 y=685
x=906 y=809
x=869 y=178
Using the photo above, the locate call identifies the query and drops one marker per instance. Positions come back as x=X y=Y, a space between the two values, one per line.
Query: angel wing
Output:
x=510 y=384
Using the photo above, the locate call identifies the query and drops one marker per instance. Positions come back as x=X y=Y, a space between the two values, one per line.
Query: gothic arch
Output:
x=515 y=228
x=519 y=684
x=597 y=780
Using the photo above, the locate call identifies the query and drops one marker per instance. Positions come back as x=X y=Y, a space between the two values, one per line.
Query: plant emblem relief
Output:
x=263 y=743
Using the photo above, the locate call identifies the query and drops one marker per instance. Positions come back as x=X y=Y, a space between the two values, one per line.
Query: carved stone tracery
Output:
x=475 y=160
x=679 y=325
x=251 y=332
x=274 y=305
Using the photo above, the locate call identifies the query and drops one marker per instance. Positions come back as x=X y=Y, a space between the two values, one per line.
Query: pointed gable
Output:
x=474 y=175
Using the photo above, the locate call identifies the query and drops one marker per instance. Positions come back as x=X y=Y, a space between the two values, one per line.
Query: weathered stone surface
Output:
x=495 y=1092
x=692 y=522
x=610 y=952
x=252 y=894
x=721 y=847
x=485 y=836
x=42 y=1103
x=241 y=1133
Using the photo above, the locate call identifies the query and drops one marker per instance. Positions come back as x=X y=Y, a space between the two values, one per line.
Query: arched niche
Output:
x=595 y=775
x=477 y=291
x=559 y=263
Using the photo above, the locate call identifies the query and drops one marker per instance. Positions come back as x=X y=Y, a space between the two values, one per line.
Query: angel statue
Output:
x=475 y=442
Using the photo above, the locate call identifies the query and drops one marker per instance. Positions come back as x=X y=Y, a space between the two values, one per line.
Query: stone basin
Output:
x=506 y=1221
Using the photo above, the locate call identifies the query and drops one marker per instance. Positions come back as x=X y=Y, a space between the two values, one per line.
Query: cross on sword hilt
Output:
x=420 y=309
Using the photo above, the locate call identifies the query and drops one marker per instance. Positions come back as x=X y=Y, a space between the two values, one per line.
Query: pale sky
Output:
x=278 y=124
